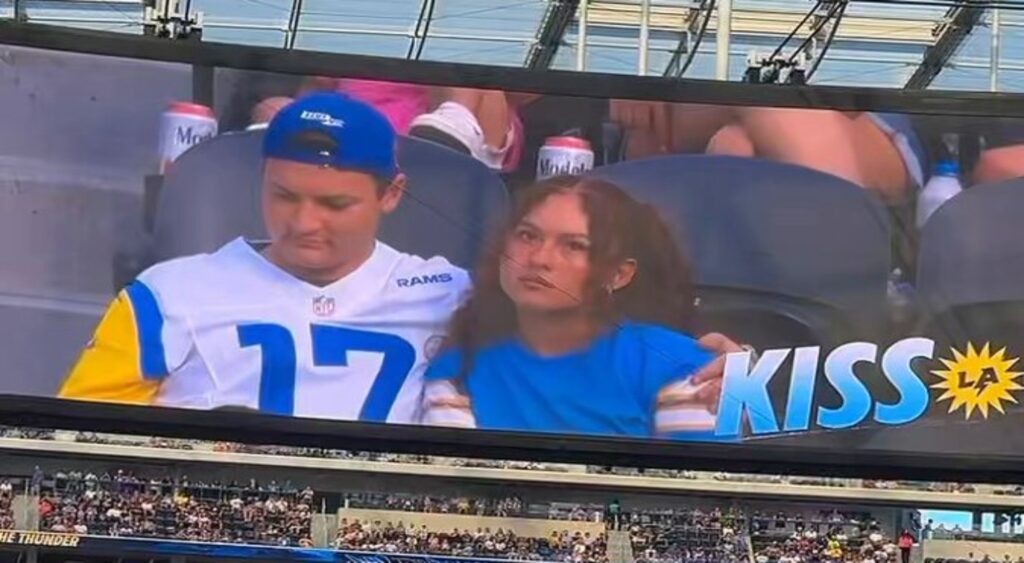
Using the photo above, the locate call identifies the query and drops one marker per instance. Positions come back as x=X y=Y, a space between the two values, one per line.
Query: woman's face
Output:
x=546 y=264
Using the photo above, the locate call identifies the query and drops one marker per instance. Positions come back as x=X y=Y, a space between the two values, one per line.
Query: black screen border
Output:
x=267 y=429
x=553 y=82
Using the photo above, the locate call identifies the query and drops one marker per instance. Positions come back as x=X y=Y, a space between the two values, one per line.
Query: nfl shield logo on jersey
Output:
x=323 y=306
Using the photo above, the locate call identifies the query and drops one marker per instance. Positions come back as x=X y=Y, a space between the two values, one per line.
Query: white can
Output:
x=182 y=126
x=564 y=155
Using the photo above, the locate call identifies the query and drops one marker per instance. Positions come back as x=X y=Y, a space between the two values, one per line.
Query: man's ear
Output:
x=393 y=193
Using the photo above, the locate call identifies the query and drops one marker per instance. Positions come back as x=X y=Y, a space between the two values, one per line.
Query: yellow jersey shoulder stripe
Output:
x=124 y=361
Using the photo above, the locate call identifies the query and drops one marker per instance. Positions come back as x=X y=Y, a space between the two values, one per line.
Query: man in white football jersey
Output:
x=324 y=321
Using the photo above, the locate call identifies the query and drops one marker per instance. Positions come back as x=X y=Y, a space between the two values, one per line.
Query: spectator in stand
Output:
x=906 y=543
x=396 y=538
x=26 y=433
x=869 y=545
x=37 y=480
x=125 y=505
x=581 y=275
x=880 y=152
x=507 y=506
x=481 y=123
x=6 y=505
x=1002 y=157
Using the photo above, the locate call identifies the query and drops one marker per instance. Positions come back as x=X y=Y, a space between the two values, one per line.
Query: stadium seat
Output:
x=211 y=195
x=971 y=267
x=970 y=290
x=783 y=255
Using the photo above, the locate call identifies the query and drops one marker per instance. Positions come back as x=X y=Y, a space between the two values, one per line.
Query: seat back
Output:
x=784 y=256
x=970 y=289
x=767 y=237
x=212 y=195
x=971 y=266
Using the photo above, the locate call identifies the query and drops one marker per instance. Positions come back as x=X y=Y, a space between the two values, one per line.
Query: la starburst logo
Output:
x=978 y=380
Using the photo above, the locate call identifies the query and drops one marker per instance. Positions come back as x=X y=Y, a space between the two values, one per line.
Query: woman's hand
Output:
x=709 y=378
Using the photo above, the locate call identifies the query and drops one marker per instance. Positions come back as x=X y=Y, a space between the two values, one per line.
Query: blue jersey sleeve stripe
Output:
x=150 y=323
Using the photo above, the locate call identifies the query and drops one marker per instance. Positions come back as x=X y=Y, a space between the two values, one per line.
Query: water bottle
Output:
x=942 y=186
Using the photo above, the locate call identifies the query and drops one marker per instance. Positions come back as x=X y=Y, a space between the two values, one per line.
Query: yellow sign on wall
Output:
x=48 y=539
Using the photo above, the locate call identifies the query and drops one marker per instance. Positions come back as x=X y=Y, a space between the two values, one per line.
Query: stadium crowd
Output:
x=6 y=505
x=832 y=537
x=125 y=505
x=688 y=536
x=828 y=548
x=503 y=507
x=385 y=457
x=575 y=547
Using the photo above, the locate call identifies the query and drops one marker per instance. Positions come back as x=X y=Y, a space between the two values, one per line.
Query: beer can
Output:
x=182 y=126
x=564 y=155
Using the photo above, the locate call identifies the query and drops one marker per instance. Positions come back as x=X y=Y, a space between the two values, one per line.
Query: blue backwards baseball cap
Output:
x=336 y=130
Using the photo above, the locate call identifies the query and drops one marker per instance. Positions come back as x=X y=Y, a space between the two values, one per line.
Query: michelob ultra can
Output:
x=564 y=155
x=182 y=126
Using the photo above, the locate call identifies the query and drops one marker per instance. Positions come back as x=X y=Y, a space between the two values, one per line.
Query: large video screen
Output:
x=332 y=247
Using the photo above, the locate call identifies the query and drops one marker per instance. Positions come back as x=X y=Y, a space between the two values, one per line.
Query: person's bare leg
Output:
x=693 y=125
x=494 y=116
x=850 y=146
x=731 y=140
x=999 y=165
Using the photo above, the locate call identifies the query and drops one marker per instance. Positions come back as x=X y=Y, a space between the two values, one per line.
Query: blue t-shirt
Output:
x=618 y=385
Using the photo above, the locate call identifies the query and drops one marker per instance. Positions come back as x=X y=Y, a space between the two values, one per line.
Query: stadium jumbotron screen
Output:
x=329 y=246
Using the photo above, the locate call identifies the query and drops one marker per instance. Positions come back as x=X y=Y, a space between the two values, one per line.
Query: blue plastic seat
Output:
x=783 y=254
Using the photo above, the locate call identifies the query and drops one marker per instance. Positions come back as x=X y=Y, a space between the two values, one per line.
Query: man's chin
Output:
x=302 y=267
x=307 y=258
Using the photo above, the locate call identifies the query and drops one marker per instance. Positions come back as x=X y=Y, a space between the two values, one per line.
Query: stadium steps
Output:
x=324 y=529
x=26 y=512
x=620 y=548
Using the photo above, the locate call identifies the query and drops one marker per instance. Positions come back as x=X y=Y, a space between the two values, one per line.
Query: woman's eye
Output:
x=526 y=235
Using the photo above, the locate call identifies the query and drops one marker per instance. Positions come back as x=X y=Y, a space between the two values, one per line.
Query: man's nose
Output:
x=306 y=217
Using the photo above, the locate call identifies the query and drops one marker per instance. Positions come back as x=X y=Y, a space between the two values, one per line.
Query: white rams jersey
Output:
x=232 y=329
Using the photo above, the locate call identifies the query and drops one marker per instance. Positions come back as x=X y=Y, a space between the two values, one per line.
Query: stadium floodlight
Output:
x=793 y=68
x=172 y=19
x=753 y=72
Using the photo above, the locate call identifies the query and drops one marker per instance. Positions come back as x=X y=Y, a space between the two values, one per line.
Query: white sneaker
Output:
x=456 y=121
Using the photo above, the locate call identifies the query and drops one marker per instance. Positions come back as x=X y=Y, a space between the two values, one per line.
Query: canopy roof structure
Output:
x=944 y=44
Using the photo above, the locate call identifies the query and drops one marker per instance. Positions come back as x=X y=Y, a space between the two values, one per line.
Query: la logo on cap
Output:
x=324 y=118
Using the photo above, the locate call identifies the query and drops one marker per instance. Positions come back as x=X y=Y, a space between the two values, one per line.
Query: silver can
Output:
x=182 y=126
x=564 y=155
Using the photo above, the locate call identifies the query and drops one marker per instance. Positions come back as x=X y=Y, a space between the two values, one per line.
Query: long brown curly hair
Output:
x=620 y=228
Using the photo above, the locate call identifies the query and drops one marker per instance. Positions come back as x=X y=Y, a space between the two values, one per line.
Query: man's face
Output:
x=322 y=221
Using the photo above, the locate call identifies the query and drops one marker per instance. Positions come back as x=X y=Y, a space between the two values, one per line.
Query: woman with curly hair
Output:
x=578 y=323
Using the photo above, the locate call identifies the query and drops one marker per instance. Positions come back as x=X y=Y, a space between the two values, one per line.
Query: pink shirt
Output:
x=400 y=102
